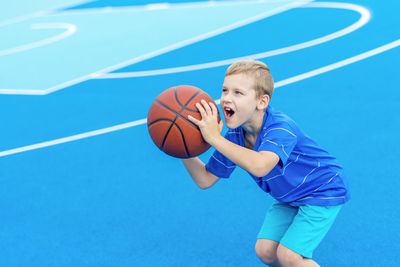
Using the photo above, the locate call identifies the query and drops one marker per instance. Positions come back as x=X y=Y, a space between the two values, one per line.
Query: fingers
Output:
x=201 y=109
x=209 y=107
x=194 y=120
x=206 y=109
x=214 y=109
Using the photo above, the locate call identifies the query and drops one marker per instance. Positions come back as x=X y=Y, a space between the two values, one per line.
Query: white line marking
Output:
x=365 y=17
x=158 y=6
x=184 y=43
x=70 y=29
x=161 y=51
x=39 y=13
x=22 y=92
x=291 y=80
x=339 y=64
x=73 y=137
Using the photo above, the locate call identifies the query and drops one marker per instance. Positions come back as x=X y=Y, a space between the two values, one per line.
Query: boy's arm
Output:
x=200 y=175
x=257 y=163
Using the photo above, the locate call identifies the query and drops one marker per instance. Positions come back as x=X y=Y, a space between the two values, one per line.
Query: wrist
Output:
x=216 y=140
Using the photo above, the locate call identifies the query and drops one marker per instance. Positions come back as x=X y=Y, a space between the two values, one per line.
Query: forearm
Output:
x=200 y=175
x=257 y=163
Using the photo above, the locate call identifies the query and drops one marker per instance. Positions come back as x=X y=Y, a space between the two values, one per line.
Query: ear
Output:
x=263 y=102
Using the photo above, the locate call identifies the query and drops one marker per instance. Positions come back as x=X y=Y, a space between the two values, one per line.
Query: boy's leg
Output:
x=290 y=258
x=307 y=230
x=277 y=220
x=266 y=250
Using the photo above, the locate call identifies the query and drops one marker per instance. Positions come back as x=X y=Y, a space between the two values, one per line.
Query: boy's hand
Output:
x=209 y=126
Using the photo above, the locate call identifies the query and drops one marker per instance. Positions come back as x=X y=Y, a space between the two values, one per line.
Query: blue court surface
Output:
x=81 y=182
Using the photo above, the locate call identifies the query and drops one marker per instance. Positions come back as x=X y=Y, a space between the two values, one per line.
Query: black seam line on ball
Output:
x=184 y=106
x=183 y=139
x=176 y=117
x=176 y=96
x=148 y=125
x=168 y=131
x=192 y=110
x=187 y=103
x=191 y=123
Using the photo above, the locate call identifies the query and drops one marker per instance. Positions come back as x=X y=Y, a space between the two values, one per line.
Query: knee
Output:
x=288 y=257
x=266 y=250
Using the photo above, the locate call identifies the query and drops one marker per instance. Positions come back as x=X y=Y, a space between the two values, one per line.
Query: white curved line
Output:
x=157 y=52
x=40 y=13
x=70 y=29
x=291 y=80
x=165 y=5
x=185 y=42
x=365 y=17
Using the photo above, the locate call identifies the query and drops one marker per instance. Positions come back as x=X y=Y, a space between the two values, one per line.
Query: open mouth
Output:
x=228 y=112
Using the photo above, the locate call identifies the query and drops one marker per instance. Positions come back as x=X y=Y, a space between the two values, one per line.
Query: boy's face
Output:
x=238 y=100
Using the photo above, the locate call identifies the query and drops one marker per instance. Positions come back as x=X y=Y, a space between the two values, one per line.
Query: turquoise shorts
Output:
x=299 y=228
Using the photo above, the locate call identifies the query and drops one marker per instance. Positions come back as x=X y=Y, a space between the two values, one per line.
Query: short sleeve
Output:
x=280 y=140
x=218 y=164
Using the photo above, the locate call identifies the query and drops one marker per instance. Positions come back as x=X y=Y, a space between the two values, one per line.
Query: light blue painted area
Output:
x=23 y=34
x=104 y=39
x=14 y=9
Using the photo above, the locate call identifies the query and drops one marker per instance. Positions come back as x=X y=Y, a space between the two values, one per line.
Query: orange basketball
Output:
x=168 y=122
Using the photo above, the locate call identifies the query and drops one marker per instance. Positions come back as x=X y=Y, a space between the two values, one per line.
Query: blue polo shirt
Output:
x=305 y=174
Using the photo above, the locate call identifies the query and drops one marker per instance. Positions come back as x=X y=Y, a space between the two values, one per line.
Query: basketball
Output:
x=168 y=122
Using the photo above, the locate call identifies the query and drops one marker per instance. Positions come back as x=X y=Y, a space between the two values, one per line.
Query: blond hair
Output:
x=263 y=81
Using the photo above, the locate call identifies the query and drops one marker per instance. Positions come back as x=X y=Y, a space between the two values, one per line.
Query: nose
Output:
x=226 y=97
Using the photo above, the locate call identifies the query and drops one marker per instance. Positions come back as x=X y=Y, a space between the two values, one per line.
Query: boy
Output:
x=306 y=181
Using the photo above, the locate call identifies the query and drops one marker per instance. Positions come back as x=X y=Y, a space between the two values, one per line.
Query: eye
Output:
x=238 y=93
x=224 y=90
